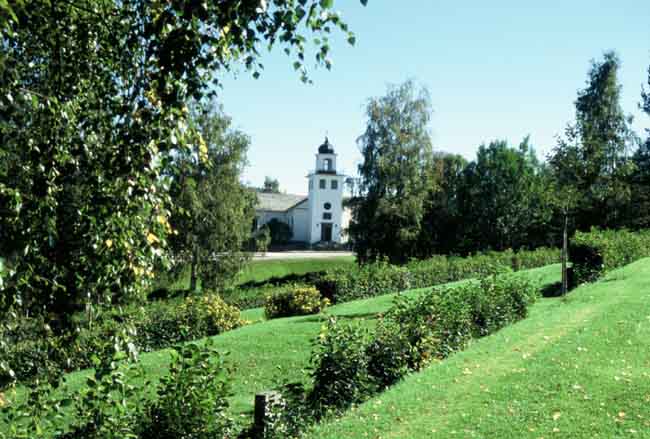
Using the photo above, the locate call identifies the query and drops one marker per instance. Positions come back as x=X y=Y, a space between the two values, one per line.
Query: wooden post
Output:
x=565 y=250
x=264 y=403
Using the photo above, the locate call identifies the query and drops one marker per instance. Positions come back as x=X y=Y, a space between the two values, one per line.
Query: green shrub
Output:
x=340 y=372
x=497 y=301
x=280 y=232
x=389 y=354
x=295 y=301
x=195 y=318
x=597 y=252
x=192 y=399
x=370 y=280
x=373 y=279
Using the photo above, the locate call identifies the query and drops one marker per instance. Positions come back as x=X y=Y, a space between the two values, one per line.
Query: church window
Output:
x=335 y=184
x=327 y=165
x=322 y=183
x=327 y=206
x=327 y=216
x=311 y=184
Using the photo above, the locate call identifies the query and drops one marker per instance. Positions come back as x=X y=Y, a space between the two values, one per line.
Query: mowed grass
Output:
x=265 y=354
x=576 y=368
x=263 y=270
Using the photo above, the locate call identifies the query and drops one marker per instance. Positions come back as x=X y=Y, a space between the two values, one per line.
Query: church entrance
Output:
x=326 y=232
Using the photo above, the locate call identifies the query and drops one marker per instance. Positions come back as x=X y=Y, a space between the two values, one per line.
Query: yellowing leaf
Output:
x=556 y=416
x=152 y=239
x=109 y=243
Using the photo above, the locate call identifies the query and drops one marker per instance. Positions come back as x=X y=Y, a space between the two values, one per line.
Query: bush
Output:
x=377 y=278
x=195 y=318
x=340 y=372
x=597 y=252
x=373 y=279
x=192 y=400
x=280 y=232
x=296 y=301
x=497 y=301
x=389 y=354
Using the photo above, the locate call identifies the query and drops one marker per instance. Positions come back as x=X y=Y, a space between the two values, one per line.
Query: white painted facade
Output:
x=318 y=217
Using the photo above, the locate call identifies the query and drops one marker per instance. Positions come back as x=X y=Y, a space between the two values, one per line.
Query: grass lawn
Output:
x=576 y=368
x=264 y=354
x=262 y=270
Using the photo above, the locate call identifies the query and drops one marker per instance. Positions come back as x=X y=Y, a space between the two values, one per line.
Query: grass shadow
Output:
x=552 y=290
x=320 y=317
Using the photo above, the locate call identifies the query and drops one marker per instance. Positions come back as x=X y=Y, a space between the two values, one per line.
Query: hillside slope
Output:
x=576 y=368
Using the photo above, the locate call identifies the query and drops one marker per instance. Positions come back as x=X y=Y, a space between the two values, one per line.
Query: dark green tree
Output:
x=92 y=103
x=639 y=205
x=502 y=199
x=592 y=159
x=394 y=176
x=271 y=185
x=441 y=225
x=211 y=209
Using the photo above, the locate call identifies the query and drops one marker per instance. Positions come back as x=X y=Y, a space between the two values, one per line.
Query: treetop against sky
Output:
x=495 y=70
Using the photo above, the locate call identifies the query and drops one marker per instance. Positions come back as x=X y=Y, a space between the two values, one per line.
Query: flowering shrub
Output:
x=296 y=301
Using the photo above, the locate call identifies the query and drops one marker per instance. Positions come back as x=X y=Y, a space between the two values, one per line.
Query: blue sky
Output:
x=495 y=70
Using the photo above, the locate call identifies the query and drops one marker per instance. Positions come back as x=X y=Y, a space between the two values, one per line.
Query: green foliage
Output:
x=294 y=301
x=31 y=351
x=93 y=98
x=191 y=401
x=271 y=185
x=389 y=354
x=195 y=318
x=212 y=209
x=280 y=231
x=373 y=279
x=263 y=239
x=597 y=252
x=503 y=199
x=593 y=158
x=395 y=175
x=339 y=373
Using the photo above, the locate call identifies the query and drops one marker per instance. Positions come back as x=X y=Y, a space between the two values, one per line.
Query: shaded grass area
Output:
x=578 y=367
x=265 y=354
x=267 y=270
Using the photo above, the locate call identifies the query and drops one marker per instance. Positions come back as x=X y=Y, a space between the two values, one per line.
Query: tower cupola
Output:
x=326 y=158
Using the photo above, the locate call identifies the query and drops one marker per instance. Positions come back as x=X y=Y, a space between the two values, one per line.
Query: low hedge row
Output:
x=351 y=363
x=342 y=285
x=597 y=252
x=31 y=351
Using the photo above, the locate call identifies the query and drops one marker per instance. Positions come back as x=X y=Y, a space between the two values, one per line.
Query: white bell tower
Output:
x=325 y=197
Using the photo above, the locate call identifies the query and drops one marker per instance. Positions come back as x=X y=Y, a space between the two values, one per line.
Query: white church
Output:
x=318 y=217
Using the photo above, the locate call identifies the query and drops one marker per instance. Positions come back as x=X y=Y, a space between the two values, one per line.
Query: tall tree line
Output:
x=598 y=175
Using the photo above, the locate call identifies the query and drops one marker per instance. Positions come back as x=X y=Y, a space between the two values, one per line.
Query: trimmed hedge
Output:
x=597 y=252
x=350 y=364
x=374 y=279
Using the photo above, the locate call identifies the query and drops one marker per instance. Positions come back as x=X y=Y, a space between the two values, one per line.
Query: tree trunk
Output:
x=193 y=272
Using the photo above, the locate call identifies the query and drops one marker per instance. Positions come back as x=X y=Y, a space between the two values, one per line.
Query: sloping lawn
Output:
x=576 y=368
x=267 y=353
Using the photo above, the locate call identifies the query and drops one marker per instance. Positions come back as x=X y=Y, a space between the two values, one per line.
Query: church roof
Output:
x=326 y=147
x=278 y=202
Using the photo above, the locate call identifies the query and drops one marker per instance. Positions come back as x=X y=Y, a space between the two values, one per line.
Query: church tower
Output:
x=325 y=197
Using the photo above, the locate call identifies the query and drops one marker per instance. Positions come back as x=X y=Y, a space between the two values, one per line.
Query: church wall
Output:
x=300 y=218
